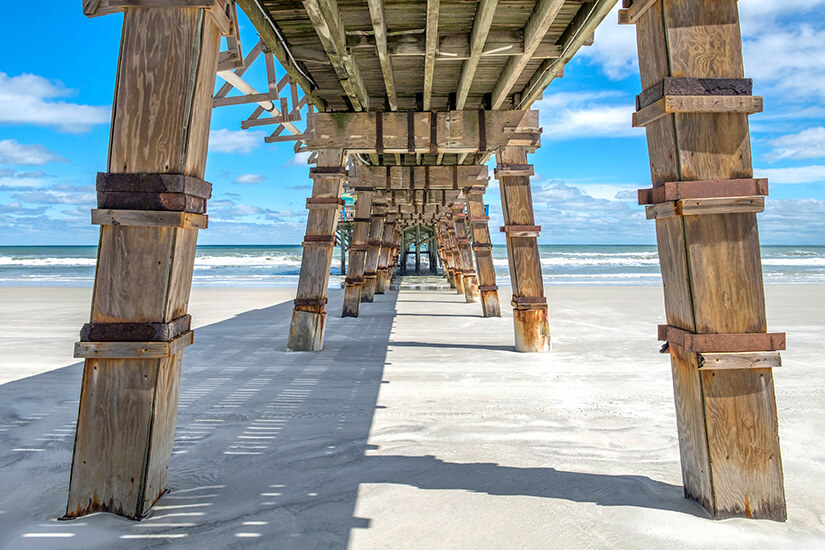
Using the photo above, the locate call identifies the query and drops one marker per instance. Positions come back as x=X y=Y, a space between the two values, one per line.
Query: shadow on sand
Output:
x=270 y=446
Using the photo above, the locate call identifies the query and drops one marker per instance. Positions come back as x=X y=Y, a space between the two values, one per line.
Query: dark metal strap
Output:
x=150 y=182
x=487 y=288
x=135 y=332
x=482 y=131
x=680 y=85
x=411 y=131
x=312 y=302
x=722 y=343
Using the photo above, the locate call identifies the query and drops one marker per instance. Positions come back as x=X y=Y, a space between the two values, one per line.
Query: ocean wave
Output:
x=247 y=261
x=17 y=261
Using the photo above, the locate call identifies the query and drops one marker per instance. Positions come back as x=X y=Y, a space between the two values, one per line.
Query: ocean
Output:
x=280 y=265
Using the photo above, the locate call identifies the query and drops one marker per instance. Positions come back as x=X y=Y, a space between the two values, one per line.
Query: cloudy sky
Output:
x=56 y=92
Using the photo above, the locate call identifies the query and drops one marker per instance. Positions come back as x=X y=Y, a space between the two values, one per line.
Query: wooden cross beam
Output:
x=418 y=177
x=424 y=132
x=540 y=20
x=379 y=26
x=481 y=27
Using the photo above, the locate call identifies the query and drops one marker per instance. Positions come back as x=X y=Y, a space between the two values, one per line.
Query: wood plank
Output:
x=326 y=19
x=696 y=104
x=379 y=26
x=747 y=360
x=481 y=26
x=695 y=207
x=544 y=14
x=676 y=190
x=132 y=350
x=433 y=8
x=149 y=218
x=272 y=36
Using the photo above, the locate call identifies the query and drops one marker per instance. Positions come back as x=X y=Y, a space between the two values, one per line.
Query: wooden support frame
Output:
x=532 y=330
x=357 y=253
x=387 y=247
x=306 y=332
x=375 y=242
x=481 y=27
x=483 y=250
x=711 y=269
x=465 y=254
x=424 y=132
x=129 y=392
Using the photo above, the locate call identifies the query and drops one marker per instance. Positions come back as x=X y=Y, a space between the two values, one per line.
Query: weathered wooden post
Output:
x=694 y=108
x=371 y=269
x=418 y=249
x=387 y=246
x=151 y=203
x=483 y=249
x=455 y=255
x=449 y=269
x=465 y=254
x=529 y=304
x=306 y=332
x=357 y=254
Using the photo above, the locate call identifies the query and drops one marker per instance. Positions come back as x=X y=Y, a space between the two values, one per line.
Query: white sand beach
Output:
x=416 y=427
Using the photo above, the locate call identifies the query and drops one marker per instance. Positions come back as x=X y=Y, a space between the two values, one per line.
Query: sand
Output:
x=416 y=427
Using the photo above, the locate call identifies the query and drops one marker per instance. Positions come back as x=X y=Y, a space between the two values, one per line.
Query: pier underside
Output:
x=407 y=106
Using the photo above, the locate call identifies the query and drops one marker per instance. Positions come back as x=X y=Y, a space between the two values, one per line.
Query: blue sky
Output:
x=56 y=88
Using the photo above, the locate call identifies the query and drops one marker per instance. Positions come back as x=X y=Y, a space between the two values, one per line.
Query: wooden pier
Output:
x=404 y=104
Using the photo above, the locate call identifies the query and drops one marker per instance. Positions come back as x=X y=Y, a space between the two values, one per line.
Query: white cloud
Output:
x=598 y=114
x=235 y=141
x=11 y=180
x=59 y=195
x=29 y=99
x=250 y=178
x=614 y=47
x=796 y=174
x=12 y=152
x=807 y=144
x=797 y=221
x=788 y=59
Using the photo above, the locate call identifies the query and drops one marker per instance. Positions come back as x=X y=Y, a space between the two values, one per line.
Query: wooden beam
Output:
x=379 y=26
x=540 y=20
x=275 y=43
x=326 y=18
x=580 y=31
x=455 y=131
x=433 y=8
x=481 y=26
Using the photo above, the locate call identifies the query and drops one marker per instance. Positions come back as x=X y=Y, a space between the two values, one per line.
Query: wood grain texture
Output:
x=160 y=124
x=711 y=267
x=316 y=260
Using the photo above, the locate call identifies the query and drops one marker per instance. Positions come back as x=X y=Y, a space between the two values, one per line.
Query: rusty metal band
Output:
x=529 y=302
x=375 y=243
x=135 y=332
x=487 y=288
x=311 y=302
x=463 y=241
x=379 y=132
x=517 y=228
x=367 y=220
x=479 y=219
x=722 y=343
x=370 y=274
x=455 y=177
x=359 y=247
x=354 y=280
x=152 y=182
x=482 y=246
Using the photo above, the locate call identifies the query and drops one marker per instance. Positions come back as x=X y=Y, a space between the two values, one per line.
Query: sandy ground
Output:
x=416 y=427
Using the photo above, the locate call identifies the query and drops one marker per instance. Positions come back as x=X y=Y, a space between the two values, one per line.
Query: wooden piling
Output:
x=532 y=330
x=465 y=254
x=375 y=242
x=710 y=262
x=483 y=249
x=306 y=332
x=158 y=143
x=357 y=254
x=387 y=246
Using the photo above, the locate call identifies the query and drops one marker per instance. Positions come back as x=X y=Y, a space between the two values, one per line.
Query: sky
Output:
x=57 y=84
